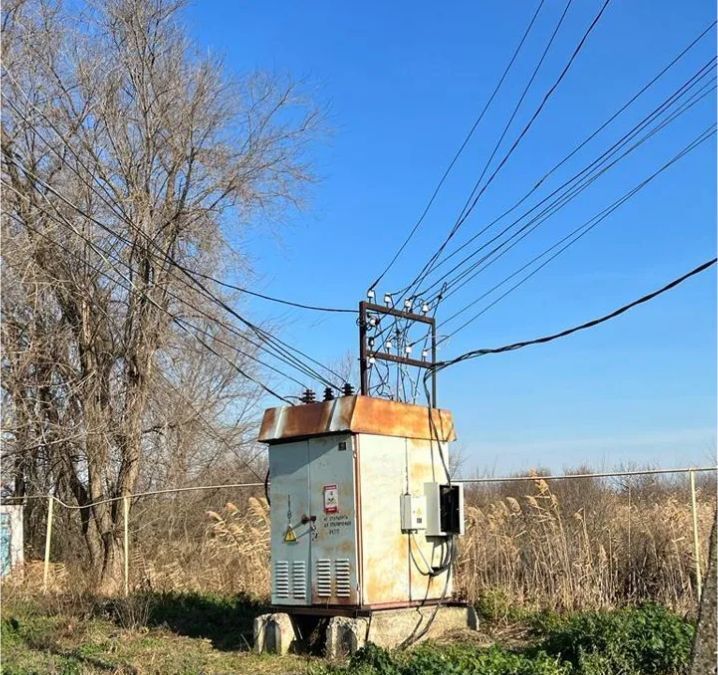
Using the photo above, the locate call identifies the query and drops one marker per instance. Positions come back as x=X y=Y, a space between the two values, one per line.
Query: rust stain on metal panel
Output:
x=386 y=579
x=357 y=414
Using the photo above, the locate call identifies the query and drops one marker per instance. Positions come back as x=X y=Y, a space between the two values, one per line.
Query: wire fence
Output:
x=127 y=500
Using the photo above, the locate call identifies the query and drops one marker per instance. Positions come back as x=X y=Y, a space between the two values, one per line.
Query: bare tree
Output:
x=127 y=159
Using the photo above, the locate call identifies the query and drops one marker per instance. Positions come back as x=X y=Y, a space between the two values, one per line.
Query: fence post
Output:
x=696 y=543
x=48 y=540
x=126 y=513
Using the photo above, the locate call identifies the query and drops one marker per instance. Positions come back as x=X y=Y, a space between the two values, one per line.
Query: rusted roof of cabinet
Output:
x=359 y=415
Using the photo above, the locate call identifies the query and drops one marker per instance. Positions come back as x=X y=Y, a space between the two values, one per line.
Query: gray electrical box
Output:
x=444 y=509
x=413 y=513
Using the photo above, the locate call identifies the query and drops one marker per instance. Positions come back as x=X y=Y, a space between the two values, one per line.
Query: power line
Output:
x=429 y=265
x=593 y=166
x=266 y=337
x=184 y=325
x=577 y=234
x=580 y=232
x=461 y=147
x=102 y=253
x=441 y=365
x=515 y=111
x=456 y=283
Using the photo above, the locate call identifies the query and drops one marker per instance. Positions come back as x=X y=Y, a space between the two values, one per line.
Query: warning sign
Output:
x=331 y=499
x=289 y=536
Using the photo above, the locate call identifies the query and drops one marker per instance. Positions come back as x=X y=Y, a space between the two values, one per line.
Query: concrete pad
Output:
x=394 y=627
x=345 y=636
x=274 y=633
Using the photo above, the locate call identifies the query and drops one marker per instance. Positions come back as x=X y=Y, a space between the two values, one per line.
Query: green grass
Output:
x=182 y=633
x=192 y=634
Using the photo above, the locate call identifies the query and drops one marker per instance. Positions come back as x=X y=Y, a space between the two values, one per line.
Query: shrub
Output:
x=444 y=660
x=648 y=640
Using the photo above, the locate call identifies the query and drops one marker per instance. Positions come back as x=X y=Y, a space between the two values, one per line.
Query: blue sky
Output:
x=402 y=83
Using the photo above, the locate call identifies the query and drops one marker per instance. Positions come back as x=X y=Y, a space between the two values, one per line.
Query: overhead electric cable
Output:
x=476 y=123
x=517 y=107
x=181 y=323
x=562 y=200
x=578 y=233
x=113 y=204
x=285 y=358
x=549 y=93
x=705 y=70
x=441 y=365
x=263 y=335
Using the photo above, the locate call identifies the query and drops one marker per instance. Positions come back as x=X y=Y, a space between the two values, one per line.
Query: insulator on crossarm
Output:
x=328 y=394
x=308 y=396
x=347 y=389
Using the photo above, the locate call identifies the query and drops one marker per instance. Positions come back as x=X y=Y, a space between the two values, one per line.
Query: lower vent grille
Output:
x=324 y=577
x=281 y=578
x=342 y=578
x=299 y=580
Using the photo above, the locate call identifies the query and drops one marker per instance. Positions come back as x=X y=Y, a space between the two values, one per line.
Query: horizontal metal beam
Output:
x=380 y=309
x=383 y=356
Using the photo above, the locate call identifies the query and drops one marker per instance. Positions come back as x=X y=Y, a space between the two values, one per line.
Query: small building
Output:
x=364 y=516
x=11 y=538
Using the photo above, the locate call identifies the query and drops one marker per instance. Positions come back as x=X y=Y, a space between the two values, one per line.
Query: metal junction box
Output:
x=350 y=506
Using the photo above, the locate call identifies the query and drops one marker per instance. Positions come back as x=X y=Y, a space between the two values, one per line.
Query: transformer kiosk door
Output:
x=291 y=526
x=333 y=547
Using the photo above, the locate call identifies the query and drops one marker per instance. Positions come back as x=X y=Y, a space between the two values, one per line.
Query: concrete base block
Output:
x=391 y=628
x=274 y=633
x=345 y=635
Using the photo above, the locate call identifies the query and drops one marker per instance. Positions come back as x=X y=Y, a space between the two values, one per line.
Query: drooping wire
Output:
x=441 y=365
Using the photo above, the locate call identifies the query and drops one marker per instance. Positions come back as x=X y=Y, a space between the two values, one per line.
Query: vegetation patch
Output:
x=648 y=640
x=194 y=633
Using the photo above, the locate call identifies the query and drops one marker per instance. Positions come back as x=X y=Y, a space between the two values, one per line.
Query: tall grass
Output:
x=579 y=544
x=595 y=546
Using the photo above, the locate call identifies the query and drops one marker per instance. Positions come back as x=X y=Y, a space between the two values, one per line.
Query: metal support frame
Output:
x=365 y=353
